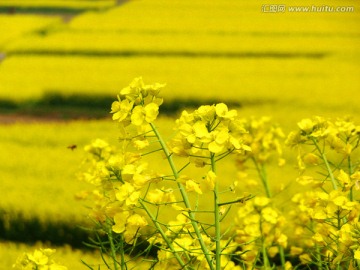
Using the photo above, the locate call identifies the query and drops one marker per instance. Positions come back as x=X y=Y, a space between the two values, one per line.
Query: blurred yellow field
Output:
x=13 y=27
x=213 y=44
x=223 y=46
x=41 y=172
x=272 y=60
x=297 y=81
x=229 y=16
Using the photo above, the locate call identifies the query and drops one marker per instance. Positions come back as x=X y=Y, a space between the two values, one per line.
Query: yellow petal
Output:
x=151 y=112
x=215 y=148
x=137 y=116
x=200 y=129
x=192 y=186
x=357 y=254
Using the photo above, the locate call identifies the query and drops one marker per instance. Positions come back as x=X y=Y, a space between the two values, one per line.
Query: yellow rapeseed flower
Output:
x=222 y=111
x=295 y=251
x=210 y=180
x=120 y=221
x=121 y=109
x=305 y=258
x=357 y=254
x=269 y=215
x=306 y=125
x=311 y=159
x=261 y=201
x=126 y=193
x=345 y=180
x=192 y=186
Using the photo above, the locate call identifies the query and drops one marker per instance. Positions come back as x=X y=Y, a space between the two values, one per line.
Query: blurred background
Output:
x=62 y=60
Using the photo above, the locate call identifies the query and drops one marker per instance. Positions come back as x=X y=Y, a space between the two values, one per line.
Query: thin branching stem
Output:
x=185 y=198
x=163 y=235
x=326 y=162
x=216 y=217
x=263 y=176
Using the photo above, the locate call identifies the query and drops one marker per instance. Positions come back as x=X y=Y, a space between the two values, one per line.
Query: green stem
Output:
x=122 y=254
x=113 y=249
x=240 y=200
x=217 y=217
x=328 y=168
x=351 y=193
x=184 y=197
x=263 y=176
x=317 y=249
x=266 y=259
x=163 y=235
x=282 y=257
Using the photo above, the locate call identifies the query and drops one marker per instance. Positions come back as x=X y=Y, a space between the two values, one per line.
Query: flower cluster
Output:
x=342 y=136
x=208 y=130
x=181 y=232
x=129 y=198
x=137 y=105
x=119 y=178
x=40 y=259
x=264 y=138
x=259 y=224
x=327 y=217
x=333 y=220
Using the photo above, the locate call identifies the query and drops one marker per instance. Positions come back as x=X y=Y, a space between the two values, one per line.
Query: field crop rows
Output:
x=13 y=27
x=207 y=44
x=242 y=80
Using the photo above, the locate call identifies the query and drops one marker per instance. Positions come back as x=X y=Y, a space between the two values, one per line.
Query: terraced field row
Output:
x=198 y=49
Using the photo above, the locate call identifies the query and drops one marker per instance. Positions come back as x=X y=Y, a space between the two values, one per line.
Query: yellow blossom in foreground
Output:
x=357 y=254
x=355 y=177
x=209 y=130
x=121 y=109
x=120 y=221
x=147 y=114
x=269 y=214
x=288 y=265
x=161 y=196
x=305 y=258
x=136 y=221
x=141 y=144
x=282 y=240
x=210 y=179
x=294 y=251
x=191 y=186
x=273 y=251
x=306 y=125
x=222 y=111
x=261 y=201
x=127 y=193
x=345 y=180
